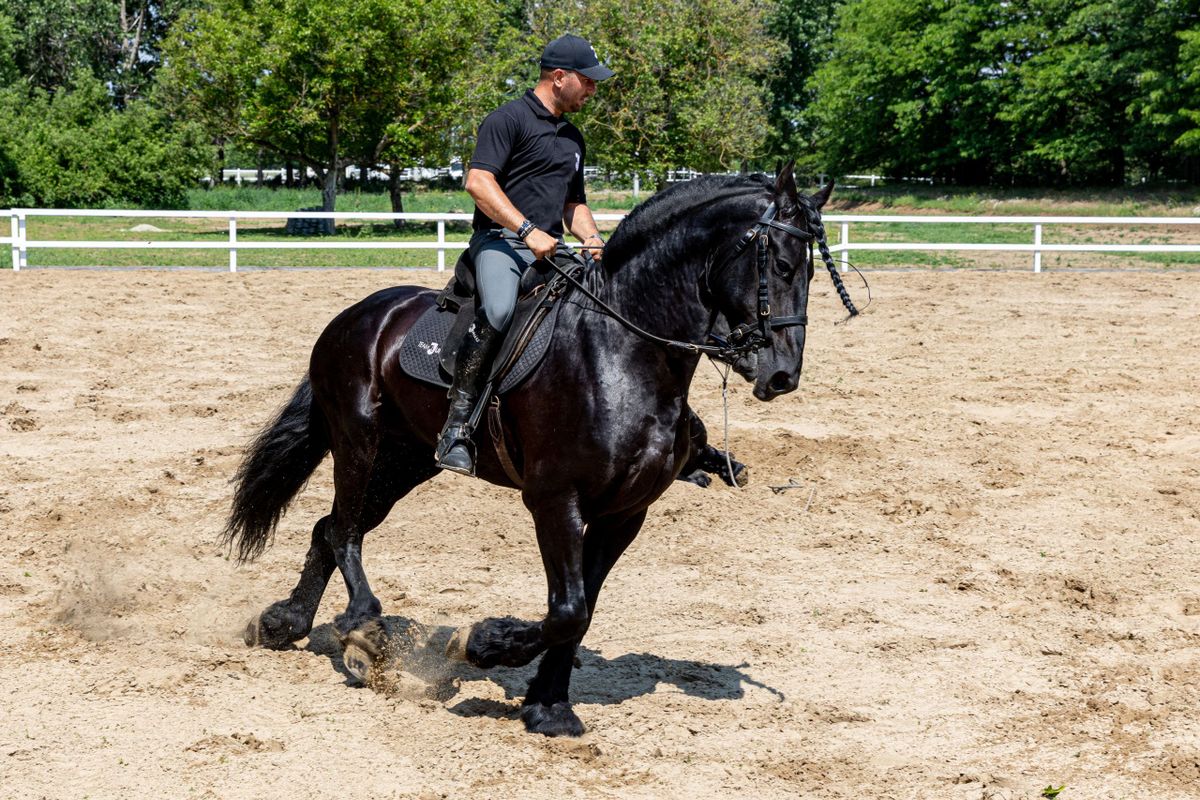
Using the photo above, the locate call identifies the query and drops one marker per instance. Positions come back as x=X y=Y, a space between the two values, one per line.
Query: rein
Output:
x=745 y=338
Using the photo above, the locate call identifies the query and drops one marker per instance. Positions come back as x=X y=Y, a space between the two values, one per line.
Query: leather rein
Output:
x=745 y=338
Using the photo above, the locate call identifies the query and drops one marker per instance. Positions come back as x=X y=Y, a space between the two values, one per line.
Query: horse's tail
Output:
x=276 y=467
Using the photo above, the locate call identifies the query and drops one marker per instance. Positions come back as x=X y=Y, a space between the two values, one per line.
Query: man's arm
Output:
x=580 y=222
x=491 y=199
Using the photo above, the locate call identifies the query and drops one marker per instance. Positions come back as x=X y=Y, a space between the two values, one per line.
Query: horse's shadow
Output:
x=419 y=654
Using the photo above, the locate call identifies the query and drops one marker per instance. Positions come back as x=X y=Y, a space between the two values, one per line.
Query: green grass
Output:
x=880 y=200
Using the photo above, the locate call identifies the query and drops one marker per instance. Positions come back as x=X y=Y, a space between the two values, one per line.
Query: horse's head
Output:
x=762 y=291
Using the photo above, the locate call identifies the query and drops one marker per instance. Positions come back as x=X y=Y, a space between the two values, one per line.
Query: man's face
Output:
x=573 y=89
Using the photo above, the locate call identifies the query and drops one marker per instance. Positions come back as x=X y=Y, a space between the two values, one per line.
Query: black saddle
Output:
x=429 y=349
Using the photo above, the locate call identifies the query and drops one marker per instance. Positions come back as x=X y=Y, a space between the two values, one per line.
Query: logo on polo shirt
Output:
x=577 y=162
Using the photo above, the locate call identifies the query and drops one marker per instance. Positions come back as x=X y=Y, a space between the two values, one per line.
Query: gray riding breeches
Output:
x=500 y=259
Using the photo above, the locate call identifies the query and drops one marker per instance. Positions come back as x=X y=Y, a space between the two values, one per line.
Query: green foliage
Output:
x=328 y=82
x=912 y=89
x=117 y=43
x=1169 y=104
x=8 y=49
x=806 y=29
x=689 y=89
x=74 y=149
x=1034 y=91
x=1072 y=100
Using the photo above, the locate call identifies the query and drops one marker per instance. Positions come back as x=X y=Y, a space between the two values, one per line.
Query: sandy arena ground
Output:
x=986 y=582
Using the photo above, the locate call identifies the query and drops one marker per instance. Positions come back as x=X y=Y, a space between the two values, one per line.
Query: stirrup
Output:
x=455 y=451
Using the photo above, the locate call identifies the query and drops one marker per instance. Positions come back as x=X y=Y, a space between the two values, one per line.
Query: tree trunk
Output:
x=291 y=176
x=329 y=189
x=395 y=194
x=220 y=176
x=258 y=168
x=333 y=174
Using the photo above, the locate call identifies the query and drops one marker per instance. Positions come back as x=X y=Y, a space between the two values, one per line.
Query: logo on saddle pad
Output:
x=431 y=348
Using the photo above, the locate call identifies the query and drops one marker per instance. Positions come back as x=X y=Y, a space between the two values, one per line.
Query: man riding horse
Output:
x=526 y=177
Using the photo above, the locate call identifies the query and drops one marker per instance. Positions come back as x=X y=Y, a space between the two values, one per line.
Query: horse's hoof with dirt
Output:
x=553 y=720
x=275 y=628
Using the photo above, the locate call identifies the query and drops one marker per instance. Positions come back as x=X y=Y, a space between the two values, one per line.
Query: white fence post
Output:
x=22 y=253
x=233 y=244
x=16 y=254
x=845 y=244
x=1037 y=254
x=441 y=250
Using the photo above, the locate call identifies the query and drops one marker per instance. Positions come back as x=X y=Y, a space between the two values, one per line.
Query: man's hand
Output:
x=593 y=246
x=542 y=244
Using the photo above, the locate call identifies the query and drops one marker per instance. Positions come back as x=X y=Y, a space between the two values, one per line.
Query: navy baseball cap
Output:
x=574 y=53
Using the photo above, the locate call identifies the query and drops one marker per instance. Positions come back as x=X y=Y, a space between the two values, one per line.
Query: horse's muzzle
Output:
x=779 y=383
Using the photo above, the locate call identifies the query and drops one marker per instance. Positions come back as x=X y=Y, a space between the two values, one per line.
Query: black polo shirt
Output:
x=537 y=159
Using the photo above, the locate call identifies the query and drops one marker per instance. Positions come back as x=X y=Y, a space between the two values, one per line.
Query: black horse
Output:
x=601 y=427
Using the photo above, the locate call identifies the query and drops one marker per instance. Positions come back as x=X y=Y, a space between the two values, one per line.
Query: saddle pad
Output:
x=421 y=352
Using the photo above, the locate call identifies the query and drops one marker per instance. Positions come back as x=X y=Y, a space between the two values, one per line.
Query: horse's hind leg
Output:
x=368 y=481
x=546 y=708
x=290 y=620
x=397 y=469
x=393 y=475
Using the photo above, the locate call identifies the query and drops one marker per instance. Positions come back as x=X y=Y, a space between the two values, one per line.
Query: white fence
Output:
x=21 y=244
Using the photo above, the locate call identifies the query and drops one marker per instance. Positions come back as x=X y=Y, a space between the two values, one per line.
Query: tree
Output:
x=72 y=148
x=1033 y=91
x=913 y=89
x=806 y=28
x=690 y=83
x=326 y=82
x=116 y=41
x=1166 y=110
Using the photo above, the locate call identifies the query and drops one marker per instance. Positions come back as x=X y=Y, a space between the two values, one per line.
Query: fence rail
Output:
x=21 y=243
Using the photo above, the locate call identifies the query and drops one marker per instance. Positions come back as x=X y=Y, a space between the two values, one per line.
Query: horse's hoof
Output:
x=456 y=648
x=251 y=635
x=359 y=663
x=272 y=629
x=556 y=720
x=363 y=648
x=741 y=475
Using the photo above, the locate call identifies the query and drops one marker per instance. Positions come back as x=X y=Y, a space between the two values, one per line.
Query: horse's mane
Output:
x=661 y=215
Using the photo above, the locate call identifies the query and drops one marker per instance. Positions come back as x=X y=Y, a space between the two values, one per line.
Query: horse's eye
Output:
x=784 y=268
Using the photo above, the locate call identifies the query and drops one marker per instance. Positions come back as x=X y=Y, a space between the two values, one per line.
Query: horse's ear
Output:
x=785 y=182
x=822 y=197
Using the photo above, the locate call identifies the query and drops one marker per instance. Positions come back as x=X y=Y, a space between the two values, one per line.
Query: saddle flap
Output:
x=424 y=354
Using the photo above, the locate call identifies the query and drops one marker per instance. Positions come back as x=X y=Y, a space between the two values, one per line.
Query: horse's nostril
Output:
x=781 y=382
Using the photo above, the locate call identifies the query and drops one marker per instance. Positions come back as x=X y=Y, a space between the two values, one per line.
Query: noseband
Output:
x=751 y=336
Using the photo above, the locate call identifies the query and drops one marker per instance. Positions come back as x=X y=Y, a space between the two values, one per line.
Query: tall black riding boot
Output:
x=455 y=450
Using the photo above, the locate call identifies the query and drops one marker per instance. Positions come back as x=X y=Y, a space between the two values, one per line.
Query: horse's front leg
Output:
x=512 y=642
x=705 y=460
x=547 y=698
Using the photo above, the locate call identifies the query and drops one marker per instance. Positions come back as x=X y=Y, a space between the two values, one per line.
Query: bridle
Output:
x=746 y=338
x=751 y=336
